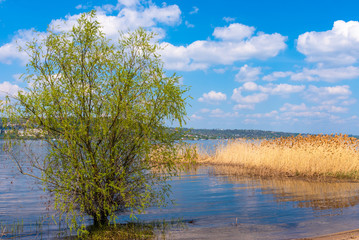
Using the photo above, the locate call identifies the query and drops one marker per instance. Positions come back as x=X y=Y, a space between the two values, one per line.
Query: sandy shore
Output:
x=352 y=234
x=231 y=233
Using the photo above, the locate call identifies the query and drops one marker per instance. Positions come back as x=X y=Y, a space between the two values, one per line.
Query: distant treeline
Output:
x=233 y=133
x=193 y=134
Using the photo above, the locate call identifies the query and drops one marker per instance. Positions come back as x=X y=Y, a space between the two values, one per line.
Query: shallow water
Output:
x=214 y=206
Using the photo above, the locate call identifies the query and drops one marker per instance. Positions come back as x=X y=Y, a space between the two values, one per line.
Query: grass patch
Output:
x=314 y=156
x=122 y=232
x=132 y=230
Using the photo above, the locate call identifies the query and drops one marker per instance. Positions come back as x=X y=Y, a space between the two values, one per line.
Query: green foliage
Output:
x=102 y=109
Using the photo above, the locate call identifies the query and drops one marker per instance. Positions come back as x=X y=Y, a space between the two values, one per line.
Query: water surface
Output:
x=213 y=205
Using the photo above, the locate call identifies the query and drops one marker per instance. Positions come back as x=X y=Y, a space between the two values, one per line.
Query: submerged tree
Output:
x=102 y=108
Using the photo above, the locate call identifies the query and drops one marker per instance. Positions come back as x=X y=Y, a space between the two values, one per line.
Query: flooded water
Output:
x=213 y=205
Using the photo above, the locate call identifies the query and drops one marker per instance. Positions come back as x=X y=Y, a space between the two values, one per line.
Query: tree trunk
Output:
x=99 y=221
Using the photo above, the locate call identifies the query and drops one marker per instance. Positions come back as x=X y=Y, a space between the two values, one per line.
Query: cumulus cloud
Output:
x=275 y=75
x=340 y=45
x=293 y=107
x=263 y=115
x=250 y=86
x=281 y=89
x=323 y=111
x=243 y=106
x=332 y=74
x=234 y=32
x=330 y=99
x=327 y=74
x=332 y=109
x=205 y=110
x=262 y=94
x=235 y=43
x=249 y=99
x=129 y=16
x=213 y=97
x=9 y=89
x=321 y=94
x=247 y=74
x=220 y=70
x=196 y=117
x=128 y=3
x=273 y=89
x=305 y=114
x=10 y=51
x=219 y=113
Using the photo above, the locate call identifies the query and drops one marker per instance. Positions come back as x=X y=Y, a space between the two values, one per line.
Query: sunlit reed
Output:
x=307 y=156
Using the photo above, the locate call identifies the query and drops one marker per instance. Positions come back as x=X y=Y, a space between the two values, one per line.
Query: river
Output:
x=213 y=206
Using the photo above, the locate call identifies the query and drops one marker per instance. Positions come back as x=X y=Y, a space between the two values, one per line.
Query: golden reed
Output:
x=306 y=156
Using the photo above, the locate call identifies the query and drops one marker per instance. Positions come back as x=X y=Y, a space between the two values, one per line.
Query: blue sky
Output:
x=270 y=65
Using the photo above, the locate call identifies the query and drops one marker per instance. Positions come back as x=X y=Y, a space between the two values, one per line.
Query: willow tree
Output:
x=102 y=107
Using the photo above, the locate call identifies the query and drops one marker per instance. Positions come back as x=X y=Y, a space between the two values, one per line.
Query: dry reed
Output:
x=307 y=156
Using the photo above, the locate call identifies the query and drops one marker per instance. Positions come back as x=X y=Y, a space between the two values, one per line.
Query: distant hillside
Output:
x=194 y=134
x=233 y=133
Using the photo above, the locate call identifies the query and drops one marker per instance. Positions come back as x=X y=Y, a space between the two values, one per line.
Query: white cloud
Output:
x=196 y=117
x=331 y=109
x=317 y=74
x=340 y=45
x=328 y=95
x=305 y=114
x=129 y=16
x=189 y=25
x=243 y=106
x=219 y=113
x=81 y=6
x=205 y=110
x=275 y=75
x=327 y=74
x=281 y=89
x=293 y=107
x=271 y=114
x=330 y=91
x=234 y=32
x=213 y=97
x=194 y=10
x=10 y=51
x=250 y=86
x=304 y=110
x=249 y=99
x=17 y=77
x=200 y=55
x=128 y=3
x=247 y=74
x=220 y=70
x=9 y=89
x=229 y=19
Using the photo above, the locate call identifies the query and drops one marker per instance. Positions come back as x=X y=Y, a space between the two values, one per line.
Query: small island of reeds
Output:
x=311 y=156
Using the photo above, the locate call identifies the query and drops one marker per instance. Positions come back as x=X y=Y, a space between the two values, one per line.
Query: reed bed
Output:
x=306 y=156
